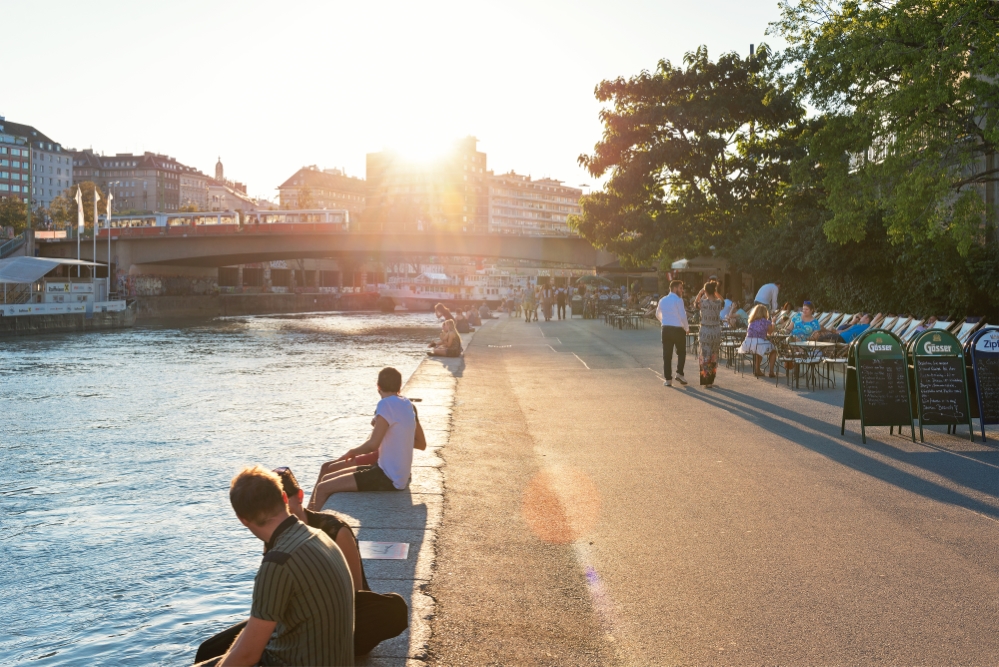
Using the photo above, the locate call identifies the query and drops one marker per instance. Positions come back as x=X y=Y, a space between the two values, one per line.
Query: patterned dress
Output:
x=710 y=338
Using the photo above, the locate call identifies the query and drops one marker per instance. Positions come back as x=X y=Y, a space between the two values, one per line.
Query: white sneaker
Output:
x=668 y=383
x=679 y=378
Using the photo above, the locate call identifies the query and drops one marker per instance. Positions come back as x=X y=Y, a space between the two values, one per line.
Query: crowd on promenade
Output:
x=762 y=321
x=311 y=603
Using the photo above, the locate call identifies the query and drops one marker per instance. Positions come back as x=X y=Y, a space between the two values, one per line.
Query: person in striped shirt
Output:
x=303 y=596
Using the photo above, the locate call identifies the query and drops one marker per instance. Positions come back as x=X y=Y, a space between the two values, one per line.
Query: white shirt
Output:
x=768 y=295
x=395 y=455
x=671 y=313
x=726 y=309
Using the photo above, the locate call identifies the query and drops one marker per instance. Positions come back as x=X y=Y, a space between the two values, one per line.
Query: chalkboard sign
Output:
x=984 y=347
x=941 y=384
x=987 y=381
x=877 y=371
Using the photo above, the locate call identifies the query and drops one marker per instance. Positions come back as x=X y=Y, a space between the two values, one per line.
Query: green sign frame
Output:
x=936 y=343
x=871 y=346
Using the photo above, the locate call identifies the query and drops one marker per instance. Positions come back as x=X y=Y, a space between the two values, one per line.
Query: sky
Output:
x=273 y=86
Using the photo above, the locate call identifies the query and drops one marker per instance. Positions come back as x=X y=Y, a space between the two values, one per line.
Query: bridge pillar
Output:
x=239 y=278
x=267 y=277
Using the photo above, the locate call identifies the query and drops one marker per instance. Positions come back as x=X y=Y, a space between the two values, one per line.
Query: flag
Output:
x=110 y=197
x=79 y=209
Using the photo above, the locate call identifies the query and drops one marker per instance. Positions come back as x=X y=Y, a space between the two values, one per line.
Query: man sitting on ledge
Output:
x=392 y=438
x=303 y=596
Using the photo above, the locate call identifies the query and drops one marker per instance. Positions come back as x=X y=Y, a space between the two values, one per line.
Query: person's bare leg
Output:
x=338 y=482
x=773 y=361
x=331 y=467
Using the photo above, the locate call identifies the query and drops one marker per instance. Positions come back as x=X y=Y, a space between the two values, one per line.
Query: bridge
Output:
x=212 y=246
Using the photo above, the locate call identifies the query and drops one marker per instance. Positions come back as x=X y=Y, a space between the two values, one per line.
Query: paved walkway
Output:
x=593 y=516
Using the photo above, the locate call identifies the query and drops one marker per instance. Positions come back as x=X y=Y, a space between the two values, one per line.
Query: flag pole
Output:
x=79 y=225
x=97 y=198
x=110 y=197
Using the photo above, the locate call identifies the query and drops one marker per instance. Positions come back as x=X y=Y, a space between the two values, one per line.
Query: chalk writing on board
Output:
x=941 y=390
x=885 y=396
x=987 y=374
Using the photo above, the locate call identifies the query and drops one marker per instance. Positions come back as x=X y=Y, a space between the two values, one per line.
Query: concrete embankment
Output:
x=413 y=516
x=594 y=516
x=223 y=305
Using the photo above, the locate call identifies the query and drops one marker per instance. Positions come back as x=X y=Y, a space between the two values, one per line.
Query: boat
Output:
x=34 y=301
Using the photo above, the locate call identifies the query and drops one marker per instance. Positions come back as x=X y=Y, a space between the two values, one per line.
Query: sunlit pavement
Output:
x=593 y=516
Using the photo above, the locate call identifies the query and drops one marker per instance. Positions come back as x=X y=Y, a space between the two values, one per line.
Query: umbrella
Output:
x=600 y=281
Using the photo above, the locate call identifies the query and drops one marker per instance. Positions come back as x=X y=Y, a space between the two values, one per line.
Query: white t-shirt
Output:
x=395 y=455
x=726 y=309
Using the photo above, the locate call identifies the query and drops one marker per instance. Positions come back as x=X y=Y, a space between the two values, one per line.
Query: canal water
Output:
x=117 y=542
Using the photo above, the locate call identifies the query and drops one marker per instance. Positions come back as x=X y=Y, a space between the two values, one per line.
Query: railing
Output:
x=13 y=244
x=14 y=293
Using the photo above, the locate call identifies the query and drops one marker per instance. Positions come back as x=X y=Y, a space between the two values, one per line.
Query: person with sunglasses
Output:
x=377 y=617
x=804 y=324
x=303 y=595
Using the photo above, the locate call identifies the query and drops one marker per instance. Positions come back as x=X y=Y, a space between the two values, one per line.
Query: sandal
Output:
x=772 y=375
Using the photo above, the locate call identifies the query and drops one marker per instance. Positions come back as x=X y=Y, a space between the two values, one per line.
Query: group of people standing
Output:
x=527 y=301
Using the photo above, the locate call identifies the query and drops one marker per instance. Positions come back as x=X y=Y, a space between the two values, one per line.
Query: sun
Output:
x=422 y=145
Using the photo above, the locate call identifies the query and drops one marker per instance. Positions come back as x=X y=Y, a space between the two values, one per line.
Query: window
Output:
x=4 y=187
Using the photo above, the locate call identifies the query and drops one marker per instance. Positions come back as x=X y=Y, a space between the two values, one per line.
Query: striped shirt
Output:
x=304 y=584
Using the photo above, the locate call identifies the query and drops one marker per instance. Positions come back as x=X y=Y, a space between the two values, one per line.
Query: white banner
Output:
x=21 y=309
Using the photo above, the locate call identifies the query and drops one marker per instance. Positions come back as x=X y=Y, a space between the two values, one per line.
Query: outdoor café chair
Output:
x=795 y=359
x=836 y=358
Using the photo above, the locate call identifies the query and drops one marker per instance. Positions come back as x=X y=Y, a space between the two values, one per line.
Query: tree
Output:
x=697 y=156
x=189 y=207
x=62 y=210
x=909 y=90
x=13 y=213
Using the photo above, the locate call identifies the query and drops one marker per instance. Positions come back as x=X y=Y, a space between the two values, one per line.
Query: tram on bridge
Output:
x=336 y=217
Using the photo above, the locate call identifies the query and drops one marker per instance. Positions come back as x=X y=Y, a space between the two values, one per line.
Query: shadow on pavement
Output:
x=979 y=475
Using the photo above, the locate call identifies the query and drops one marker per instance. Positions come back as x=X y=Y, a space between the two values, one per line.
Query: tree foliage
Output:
x=13 y=213
x=909 y=90
x=62 y=210
x=696 y=155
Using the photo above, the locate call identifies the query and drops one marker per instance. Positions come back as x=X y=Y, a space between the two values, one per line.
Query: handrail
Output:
x=13 y=244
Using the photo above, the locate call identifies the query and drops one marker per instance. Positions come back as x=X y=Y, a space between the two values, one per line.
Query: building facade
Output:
x=32 y=166
x=520 y=205
x=193 y=189
x=448 y=194
x=148 y=182
x=311 y=187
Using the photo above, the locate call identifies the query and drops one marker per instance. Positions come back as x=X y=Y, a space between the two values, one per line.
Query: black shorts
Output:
x=372 y=478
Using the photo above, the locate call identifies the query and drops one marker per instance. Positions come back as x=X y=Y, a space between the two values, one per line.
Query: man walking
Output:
x=673 y=316
x=560 y=302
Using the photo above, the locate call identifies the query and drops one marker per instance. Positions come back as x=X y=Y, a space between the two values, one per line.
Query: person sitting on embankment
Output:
x=449 y=343
x=377 y=617
x=303 y=598
x=393 y=438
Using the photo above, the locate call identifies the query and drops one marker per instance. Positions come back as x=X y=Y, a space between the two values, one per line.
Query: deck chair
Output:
x=910 y=330
x=822 y=318
x=888 y=322
x=832 y=320
x=939 y=324
x=900 y=324
x=966 y=329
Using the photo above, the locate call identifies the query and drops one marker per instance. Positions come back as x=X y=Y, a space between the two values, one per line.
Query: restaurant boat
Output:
x=38 y=295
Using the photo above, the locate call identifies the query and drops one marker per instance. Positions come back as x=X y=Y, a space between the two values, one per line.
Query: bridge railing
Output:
x=13 y=244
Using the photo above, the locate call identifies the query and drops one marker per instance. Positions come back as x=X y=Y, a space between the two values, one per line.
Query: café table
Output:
x=815 y=351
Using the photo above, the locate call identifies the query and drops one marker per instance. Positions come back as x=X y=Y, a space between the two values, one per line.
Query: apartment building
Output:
x=312 y=187
x=147 y=182
x=520 y=205
x=193 y=189
x=32 y=166
x=448 y=194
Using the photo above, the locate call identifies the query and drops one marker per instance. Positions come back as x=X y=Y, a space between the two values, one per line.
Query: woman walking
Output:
x=710 y=333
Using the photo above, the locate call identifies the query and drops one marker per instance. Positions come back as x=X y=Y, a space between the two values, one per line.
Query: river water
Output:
x=117 y=541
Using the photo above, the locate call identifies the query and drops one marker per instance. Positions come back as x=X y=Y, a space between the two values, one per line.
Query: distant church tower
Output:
x=219 y=174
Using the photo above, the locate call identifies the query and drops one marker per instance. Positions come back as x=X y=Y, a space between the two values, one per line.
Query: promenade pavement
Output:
x=593 y=516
